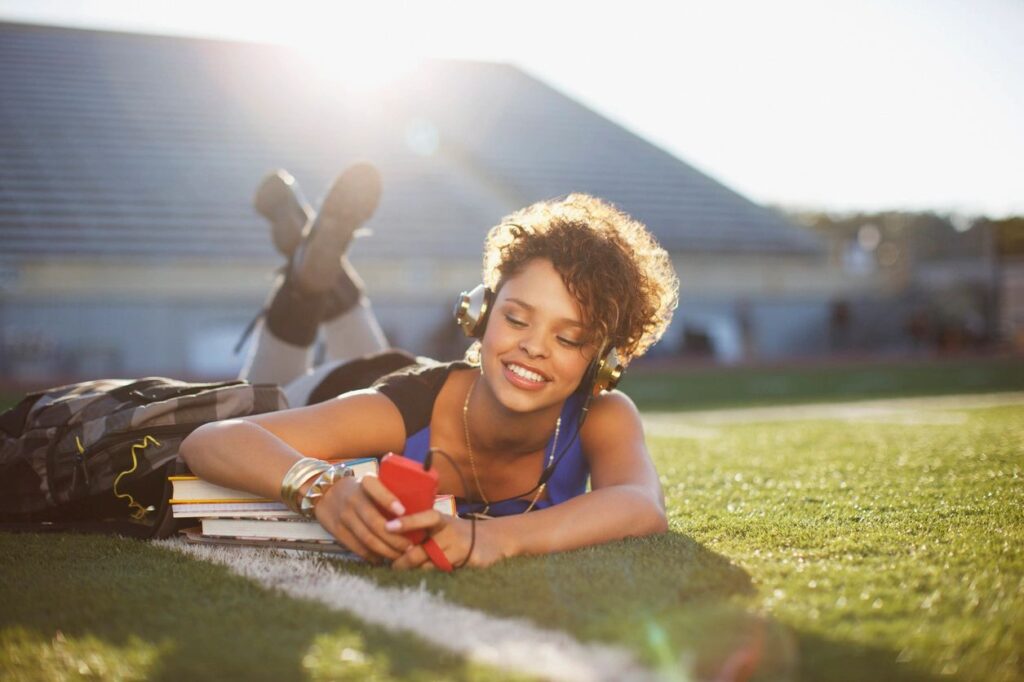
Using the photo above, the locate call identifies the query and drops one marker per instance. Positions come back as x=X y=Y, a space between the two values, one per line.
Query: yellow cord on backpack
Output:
x=132 y=504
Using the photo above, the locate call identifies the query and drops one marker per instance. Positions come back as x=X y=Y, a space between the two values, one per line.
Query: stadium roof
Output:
x=118 y=144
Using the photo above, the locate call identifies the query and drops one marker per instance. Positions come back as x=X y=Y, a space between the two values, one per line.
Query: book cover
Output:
x=231 y=509
x=194 y=536
x=268 y=529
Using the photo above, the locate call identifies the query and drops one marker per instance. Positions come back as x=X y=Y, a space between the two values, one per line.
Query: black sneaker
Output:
x=352 y=199
x=280 y=201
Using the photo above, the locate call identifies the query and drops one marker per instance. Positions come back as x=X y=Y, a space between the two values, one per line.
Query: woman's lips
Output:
x=521 y=382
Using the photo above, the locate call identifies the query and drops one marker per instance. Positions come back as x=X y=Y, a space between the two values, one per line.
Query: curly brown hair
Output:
x=622 y=278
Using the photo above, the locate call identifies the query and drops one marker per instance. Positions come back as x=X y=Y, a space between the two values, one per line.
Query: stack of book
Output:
x=235 y=517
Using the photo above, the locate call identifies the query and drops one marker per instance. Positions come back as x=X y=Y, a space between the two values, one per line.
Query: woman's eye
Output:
x=570 y=342
x=514 y=322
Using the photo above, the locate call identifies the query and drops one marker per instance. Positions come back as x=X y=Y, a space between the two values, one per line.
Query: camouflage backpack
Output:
x=95 y=456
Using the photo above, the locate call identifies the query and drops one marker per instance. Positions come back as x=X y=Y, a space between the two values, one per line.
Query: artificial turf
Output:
x=78 y=607
x=873 y=550
x=841 y=550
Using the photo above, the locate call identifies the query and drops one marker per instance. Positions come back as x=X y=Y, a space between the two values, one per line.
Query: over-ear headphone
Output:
x=473 y=309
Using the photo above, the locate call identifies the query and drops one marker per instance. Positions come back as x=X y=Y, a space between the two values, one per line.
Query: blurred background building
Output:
x=128 y=244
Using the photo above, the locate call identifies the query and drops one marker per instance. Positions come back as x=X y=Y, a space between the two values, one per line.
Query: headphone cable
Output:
x=428 y=460
x=549 y=470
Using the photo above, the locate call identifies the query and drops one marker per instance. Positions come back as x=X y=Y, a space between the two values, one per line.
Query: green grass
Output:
x=875 y=551
x=682 y=388
x=108 y=608
x=850 y=551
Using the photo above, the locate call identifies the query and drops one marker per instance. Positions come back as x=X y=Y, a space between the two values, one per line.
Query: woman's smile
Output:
x=524 y=377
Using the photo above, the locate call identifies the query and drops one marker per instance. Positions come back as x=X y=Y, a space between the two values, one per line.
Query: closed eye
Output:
x=561 y=339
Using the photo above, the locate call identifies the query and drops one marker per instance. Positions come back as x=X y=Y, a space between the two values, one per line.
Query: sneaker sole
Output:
x=351 y=201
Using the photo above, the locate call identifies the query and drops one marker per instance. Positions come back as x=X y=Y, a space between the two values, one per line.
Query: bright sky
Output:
x=837 y=104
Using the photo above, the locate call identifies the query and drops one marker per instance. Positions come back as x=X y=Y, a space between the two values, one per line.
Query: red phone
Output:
x=413 y=486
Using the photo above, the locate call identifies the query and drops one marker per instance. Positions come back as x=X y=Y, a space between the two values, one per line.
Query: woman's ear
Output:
x=472 y=354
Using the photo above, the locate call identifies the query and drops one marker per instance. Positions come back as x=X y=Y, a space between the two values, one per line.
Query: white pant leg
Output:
x=299 y=390
x=274 y=361
x=354 y=333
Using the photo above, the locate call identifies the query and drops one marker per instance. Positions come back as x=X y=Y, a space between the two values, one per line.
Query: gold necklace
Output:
x=472 y=461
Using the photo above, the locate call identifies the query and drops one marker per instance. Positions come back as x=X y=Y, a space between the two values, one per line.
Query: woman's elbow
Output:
x=197 y=445
x=657 y=522
x=655 y=519
x=647 y=514
x=650 y=519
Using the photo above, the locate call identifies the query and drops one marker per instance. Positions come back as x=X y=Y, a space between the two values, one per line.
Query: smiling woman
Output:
x=572 y=288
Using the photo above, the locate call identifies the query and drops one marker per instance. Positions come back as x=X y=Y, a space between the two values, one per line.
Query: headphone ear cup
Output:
x=472 y=310
x=607 y=372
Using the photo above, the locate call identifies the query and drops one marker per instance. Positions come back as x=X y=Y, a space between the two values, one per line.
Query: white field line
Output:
x=910 y=411
x=506 y=643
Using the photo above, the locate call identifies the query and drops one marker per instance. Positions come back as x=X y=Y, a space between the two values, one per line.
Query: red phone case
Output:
x=413 y=486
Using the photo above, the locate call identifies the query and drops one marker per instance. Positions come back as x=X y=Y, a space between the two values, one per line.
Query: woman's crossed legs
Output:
x=318 y=288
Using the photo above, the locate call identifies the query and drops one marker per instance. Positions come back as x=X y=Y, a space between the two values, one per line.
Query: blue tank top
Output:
x=571 y=470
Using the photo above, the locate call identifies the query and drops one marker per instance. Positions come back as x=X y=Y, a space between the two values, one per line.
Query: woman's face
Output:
x=532 y=353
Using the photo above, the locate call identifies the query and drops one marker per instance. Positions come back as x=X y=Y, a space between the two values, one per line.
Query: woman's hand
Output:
x=453 y=535
x=349 y=512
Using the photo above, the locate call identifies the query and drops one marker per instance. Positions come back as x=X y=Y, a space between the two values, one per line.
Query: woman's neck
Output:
x=496 y=430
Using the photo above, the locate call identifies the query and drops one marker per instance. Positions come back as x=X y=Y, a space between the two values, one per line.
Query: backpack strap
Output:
x=156 y=389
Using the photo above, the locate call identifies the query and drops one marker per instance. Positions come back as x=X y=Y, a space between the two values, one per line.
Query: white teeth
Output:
x=525 y=373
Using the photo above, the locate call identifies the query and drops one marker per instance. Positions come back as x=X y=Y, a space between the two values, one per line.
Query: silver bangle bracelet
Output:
x=300 y=472
x=320 y=486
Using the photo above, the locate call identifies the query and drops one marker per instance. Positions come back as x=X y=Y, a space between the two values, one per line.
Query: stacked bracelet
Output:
x=324 y=481
x=300 y=472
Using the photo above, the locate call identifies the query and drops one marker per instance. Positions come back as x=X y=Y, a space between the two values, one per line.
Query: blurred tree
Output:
x=1009 y=235
x=926 y=235
x=945 y=268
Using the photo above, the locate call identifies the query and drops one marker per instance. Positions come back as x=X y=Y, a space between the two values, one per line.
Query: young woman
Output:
x=576 y=285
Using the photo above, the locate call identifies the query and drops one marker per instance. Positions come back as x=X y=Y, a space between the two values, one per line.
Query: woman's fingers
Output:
x=414 y=557
x=360 y=519
x=383 y=497
x=425 y=520
x=347 y=538
x=379 y=538
x=358 y=523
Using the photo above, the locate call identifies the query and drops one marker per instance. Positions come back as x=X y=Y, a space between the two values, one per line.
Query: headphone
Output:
x=473 y=309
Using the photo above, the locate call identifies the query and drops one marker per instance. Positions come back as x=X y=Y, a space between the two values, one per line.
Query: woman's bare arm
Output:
x=254 y=453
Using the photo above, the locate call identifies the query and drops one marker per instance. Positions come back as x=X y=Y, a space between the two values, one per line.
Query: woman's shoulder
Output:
x=612 y=405
x=414 y=389
x=610 y=415
x=425 y=373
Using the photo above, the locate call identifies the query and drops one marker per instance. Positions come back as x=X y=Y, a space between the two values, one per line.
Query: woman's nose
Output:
x=533 y=346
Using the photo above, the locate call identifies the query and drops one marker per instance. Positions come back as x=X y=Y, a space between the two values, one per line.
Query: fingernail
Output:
x=398 y=508
x=393 y=524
